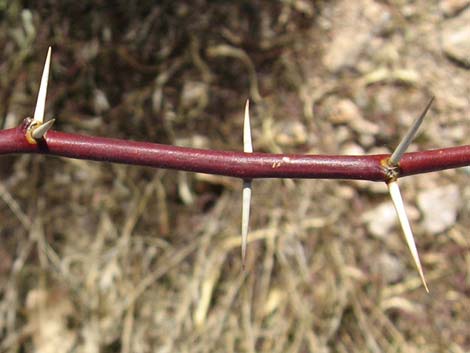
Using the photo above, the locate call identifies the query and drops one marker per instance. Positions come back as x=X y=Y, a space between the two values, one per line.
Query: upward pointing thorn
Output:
x=247 y=143
x=41 y=102
x=405 y=225
x=247 y=189
x=405 y=142
x=39 y=131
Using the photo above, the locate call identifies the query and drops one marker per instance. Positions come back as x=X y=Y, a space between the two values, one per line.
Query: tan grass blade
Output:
x=247 y=185
x=41 y=102
x=410 y=135
x=405 y=225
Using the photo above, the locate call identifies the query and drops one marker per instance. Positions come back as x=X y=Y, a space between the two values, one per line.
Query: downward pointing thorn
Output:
x=247 y=189
x=405 y=225
x=41 y=102
x=246 y=201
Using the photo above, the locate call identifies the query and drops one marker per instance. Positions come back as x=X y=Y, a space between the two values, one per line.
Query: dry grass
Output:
x=105 y=258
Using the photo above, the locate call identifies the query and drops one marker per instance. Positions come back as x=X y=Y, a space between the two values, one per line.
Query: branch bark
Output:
x=233 y=164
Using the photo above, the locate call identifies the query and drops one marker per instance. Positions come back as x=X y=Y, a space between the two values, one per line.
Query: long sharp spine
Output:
x=410 y=135
x=41 y=101
x=247 y=184
x=405 y=225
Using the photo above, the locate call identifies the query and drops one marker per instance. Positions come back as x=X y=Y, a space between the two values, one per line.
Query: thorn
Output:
x=405 y=225
x=410 y=135
x=39 y=132
x=247 y=143
x=246 y=201
x=247 y=184
x=41 y=102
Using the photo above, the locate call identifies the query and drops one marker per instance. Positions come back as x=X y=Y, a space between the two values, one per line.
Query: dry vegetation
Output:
x=104 y=258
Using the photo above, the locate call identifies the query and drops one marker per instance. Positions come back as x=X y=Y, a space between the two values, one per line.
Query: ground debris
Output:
x=455 y=38
x=439 y=207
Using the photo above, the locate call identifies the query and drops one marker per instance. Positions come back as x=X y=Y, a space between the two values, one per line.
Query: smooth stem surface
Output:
x=234 y=164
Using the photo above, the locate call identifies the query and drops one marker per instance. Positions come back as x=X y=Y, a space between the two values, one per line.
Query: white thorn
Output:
x=247 y=143
x=411 y=133
x=246 y=201
x=41 y=102
x=39 y=132
x=247 y=189
x=405 y=225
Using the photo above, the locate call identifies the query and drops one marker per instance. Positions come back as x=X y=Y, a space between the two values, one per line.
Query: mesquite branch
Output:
x=34 y=136
x=235 y=164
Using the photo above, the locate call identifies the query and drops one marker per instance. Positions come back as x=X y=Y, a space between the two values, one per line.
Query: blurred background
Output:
x=97 y=257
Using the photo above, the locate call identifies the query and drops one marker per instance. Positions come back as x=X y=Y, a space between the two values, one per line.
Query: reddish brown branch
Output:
x=234 y=164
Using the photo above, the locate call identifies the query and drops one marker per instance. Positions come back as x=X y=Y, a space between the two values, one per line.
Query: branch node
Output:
x=392 y=172
x=40 y=131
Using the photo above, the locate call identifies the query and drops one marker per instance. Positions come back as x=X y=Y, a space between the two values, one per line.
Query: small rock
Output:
x=456 y=134
x=374 y=188
x=352 y=149
x=344 y=111
x=354 y=24
x=455 y=39
x=100 y=102
x=366 y=140
x=391 y=267
x=439 y=207
x=291 y=133
x=11 y=121
x=381 y=219
x=342 y=134
x=346 y=192
x=409 y=10
x=194 y=141
x=452 y=7
x=363 y=126
x=194 y=96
